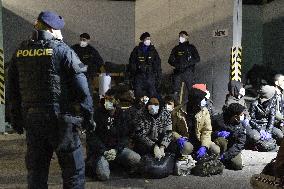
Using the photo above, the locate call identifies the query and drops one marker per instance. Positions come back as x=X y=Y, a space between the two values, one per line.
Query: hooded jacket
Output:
x=234 y=92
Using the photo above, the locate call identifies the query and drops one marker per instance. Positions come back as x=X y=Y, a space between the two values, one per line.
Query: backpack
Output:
x=208 y=165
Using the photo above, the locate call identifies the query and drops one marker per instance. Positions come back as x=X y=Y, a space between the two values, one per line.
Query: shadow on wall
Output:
x=16 y=29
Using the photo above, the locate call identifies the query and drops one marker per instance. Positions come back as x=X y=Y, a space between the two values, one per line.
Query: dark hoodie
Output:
x=234 y=89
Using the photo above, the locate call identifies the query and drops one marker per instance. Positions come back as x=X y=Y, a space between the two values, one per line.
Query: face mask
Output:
x=242 y=117
x=282 y=86
x=147 y=42
x=181 y=39
x=154 y=110
x=57 y=34
x=242 y=93
x=145 y=100
x=203 y=102
x=207 y=95
x=108 y=105
x=169 y=107
x=83 y=43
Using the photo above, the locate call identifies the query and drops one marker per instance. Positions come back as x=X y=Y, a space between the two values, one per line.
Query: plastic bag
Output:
x=104 y=83
x=154 y=168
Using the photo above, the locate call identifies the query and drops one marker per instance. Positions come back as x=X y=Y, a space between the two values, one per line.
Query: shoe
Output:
x=262 y=181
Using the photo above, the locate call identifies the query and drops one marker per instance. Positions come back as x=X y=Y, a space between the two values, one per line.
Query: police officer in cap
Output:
x=44 y=78
x=183 y=58
x=145 y=67
x=89 y=56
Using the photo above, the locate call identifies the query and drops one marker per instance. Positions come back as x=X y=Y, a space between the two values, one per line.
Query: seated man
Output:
x=232 y=136
x=154 y=130
x=262 y=113
x=110 y=140
x=180 y=130
x=199 y=124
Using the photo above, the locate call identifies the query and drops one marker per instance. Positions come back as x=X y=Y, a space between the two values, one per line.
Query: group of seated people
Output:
x=158 y=126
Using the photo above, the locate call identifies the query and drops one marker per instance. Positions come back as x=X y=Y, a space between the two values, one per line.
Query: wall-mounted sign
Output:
x=220 y=33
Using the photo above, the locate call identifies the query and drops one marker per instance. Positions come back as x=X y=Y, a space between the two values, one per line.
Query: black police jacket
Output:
x=90 y=57
x=183 y=56
x=263 y=114
x=141 y=62
x=45 y=75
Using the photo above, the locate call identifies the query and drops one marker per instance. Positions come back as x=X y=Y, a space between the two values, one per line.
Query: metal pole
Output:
x=2 y=85
x=236 y=50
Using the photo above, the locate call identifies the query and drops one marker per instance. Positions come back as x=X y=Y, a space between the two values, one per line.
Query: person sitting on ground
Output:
x=154 y=130
x=262 y=113
x=199 y=124
x=110 y=140
x=231 y=136
x=180 y=130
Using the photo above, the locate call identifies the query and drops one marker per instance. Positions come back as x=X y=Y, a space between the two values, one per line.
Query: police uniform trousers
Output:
x=46 y=134
x=186 y=76
x=145 y=82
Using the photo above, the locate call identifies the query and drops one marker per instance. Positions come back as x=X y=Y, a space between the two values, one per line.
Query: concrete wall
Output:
x=164 y=19
x=117 y=26
x=263 y=35
x=110 y=24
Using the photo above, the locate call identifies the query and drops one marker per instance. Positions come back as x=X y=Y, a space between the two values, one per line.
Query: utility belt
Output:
x=144 y=68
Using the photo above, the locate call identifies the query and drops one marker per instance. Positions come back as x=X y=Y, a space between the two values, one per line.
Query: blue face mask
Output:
x=154 y=110
x=203 y=103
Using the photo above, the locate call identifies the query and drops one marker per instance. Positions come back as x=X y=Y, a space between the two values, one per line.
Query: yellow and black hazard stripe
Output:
x=2 y=85
x=236 y=64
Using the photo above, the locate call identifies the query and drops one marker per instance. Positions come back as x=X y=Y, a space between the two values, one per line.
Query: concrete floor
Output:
x=13 y=172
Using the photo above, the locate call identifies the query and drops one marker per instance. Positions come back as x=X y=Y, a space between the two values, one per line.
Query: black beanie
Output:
x=183 y=32
x=85 y=35
x=196 y=96
x=144 y=35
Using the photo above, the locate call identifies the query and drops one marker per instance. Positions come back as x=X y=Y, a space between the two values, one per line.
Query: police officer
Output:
x=183 y=58
x=145 y=67
x=89 y=56
x=44 y=78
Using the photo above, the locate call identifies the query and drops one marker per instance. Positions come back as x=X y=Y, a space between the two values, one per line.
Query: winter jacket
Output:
x=236 y=139
x=200 y=128
x=141 y=62
x=111 y=132
x=179 y=122
x=184 y=56
x=155 y=129
x=263 y=114
x=90 y=57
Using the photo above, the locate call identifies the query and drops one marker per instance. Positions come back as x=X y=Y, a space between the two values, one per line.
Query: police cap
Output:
x=51 y=19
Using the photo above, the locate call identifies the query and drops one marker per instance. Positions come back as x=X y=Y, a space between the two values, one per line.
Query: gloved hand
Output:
x=245 y=122
x=222 y=157
x=162 y=150
x=201 y=152
x=157 y=152
x=180 y=142
x=265 y=135
x=223 y=134
x=110 y=154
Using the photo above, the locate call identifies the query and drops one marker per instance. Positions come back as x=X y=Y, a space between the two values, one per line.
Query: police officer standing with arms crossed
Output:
x=90 y=57
x=145 y=67
x=183 y=58
x=45 y=76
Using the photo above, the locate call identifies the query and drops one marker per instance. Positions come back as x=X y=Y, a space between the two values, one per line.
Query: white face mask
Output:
x=147 y=42
x=83 y=43
x=203 y=102
x=242 y=92
x=108 y=105
x=145 y=100
x=242 y=117
x=207 y=95
x=57 y=34
x=181 y=39
x=169 y=107
x=154 y=110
